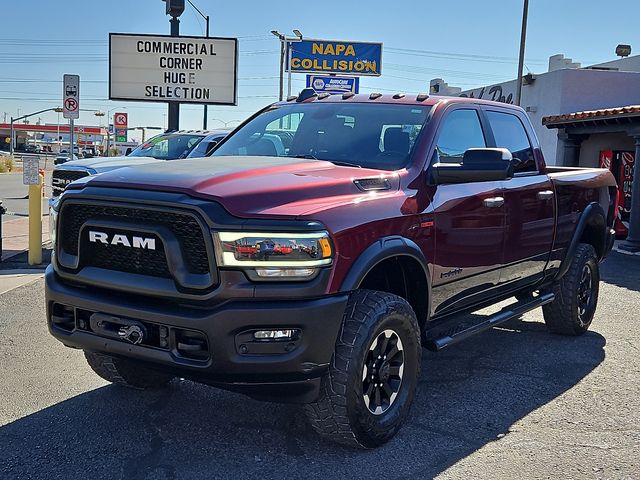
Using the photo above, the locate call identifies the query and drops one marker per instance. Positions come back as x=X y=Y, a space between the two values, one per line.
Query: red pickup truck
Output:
x=314 y=270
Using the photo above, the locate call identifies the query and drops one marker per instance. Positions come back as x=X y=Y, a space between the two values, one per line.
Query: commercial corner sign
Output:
x=121 y=123
x=346 y=58
x=331 y=84
x=160 y=68
x=71 y=96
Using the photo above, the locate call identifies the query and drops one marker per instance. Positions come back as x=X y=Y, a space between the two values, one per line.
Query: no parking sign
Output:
x=71 y=96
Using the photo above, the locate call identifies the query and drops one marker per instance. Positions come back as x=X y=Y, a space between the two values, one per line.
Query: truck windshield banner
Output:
x=325 y=56
x=158 y=68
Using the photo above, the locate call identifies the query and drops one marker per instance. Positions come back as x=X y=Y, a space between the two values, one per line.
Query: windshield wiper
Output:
x=335 y=162
x=344 y=164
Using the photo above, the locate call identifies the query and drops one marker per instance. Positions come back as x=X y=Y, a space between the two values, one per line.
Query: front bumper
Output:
x=284 y=371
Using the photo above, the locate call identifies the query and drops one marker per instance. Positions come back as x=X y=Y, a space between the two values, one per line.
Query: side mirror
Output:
x=210 y=147
x=478 y=165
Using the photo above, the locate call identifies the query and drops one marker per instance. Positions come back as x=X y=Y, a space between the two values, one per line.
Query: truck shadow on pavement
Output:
x=621 y=270
x=469 y=395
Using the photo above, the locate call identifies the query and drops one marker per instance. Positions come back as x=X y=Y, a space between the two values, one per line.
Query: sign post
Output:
x=31 y=177
x=71 y=103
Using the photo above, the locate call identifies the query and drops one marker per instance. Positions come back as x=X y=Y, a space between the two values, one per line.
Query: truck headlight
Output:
x=53 y=221
x=275 y=255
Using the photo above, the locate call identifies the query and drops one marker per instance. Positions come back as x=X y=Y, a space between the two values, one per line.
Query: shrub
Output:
x=9 y=164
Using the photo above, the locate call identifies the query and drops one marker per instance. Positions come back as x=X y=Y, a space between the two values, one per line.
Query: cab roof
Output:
x=308 y=95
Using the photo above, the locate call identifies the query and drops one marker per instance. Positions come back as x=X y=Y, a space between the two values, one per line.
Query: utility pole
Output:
x=175 y=9
x=523 y=38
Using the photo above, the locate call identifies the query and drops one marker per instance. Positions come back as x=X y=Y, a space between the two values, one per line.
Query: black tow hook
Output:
x=118 y=328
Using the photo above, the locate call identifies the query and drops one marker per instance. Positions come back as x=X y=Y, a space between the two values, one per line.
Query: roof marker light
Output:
x=374 y=95
x=422 y=97
x=306 y=94
x=324 y=95
x=346 y=95
x=398 y=95
x=291 y=97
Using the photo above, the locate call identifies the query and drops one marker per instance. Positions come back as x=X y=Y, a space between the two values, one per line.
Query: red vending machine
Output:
x=621 y=165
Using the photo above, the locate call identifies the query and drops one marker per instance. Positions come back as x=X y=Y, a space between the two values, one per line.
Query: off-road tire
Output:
x=340 y=414
x=561 y=316
x=125 y=372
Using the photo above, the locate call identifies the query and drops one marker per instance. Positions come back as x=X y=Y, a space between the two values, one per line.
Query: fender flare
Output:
x=592 y=211
x=383 y=249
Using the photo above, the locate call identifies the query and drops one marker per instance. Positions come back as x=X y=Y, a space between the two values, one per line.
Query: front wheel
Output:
x=576 y=295
x=368 y=390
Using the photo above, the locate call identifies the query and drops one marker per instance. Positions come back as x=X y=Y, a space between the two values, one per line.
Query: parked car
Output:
x=208 y=143
x=167 y=146
x=63 y=158
x=317 y=273
x=32 y=148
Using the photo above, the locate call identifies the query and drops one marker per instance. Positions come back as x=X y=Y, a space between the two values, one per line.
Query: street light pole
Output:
x=281 y=38
x=286 y=42
x=206 y=19
x=523 y=37
x=12 y=130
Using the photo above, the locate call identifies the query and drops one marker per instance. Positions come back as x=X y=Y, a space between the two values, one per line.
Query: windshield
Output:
x=167 y=146
x=366 y=135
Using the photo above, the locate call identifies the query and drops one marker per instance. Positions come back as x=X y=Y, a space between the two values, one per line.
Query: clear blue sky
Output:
x=469 y=43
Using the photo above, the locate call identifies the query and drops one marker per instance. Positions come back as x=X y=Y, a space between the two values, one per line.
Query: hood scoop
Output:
x=374 y=184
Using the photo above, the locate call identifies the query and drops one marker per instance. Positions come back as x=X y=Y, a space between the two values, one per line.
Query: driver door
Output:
x=469 y=221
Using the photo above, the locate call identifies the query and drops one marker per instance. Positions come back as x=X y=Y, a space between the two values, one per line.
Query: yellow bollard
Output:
x=35 y=222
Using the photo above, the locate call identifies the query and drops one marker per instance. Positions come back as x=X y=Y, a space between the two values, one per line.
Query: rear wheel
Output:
x=576 y=294
x=125 y=372
x=368 y=390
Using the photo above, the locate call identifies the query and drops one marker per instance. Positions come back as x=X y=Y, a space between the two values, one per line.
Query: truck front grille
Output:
x=60 y=179
x=184 y=227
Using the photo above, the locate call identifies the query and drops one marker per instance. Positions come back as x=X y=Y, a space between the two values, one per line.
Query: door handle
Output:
x=545 y=194
x=493 y=202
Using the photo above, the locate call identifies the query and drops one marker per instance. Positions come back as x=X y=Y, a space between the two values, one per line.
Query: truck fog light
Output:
x=285 y=272
x=275 y=334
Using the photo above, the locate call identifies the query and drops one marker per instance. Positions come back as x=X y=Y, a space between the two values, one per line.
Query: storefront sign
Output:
x=121 y=122
x=324 y=56
x=157 y=68
x=326 y=83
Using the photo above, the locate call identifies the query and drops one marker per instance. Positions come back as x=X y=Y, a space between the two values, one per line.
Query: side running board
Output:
x=507 y=313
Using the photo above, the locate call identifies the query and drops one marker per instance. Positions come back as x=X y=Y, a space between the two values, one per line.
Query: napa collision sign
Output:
x=160 y=68
x=327 y=56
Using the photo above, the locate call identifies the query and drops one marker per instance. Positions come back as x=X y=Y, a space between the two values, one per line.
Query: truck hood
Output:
x=105 y=164
x=255 y=186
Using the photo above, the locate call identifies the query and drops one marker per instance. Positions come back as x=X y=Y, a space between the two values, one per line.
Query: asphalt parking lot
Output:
x=515 y=402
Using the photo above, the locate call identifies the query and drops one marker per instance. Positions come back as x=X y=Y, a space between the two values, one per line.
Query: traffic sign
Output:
x=71 y=96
